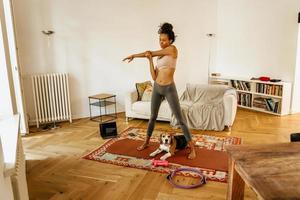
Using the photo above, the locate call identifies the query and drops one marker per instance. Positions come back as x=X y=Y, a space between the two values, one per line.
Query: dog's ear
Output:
x=160 y=138
x=172 y=139
x=173 y=145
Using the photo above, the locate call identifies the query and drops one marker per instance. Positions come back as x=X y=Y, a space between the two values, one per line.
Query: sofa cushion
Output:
x=140 y=88
x=144 y=108
x=147 y=93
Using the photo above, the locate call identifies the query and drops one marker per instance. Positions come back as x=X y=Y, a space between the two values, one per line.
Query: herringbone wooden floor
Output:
x=55 y=169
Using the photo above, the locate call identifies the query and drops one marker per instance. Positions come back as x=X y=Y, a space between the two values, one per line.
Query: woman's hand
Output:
x=148 y=55
x=129 y=58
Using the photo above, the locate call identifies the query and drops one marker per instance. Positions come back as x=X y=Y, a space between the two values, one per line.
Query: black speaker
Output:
x=295 y=137
x=108 y=130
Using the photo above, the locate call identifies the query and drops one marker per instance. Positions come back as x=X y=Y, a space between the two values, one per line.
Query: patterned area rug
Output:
x=211 y=158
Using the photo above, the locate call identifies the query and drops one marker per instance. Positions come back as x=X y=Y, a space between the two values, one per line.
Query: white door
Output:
x=16 y=73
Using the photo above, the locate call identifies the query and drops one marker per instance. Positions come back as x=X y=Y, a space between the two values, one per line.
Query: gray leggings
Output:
x=170 y=92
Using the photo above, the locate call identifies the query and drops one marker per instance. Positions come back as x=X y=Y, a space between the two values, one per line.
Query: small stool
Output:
x=295 y=137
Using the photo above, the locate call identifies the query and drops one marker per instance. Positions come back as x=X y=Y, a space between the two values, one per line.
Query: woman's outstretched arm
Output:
x=152 y=70
x=138 y=55
x=170 y=50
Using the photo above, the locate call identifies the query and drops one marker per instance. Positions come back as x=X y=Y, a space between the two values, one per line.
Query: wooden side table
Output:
x=102 y=101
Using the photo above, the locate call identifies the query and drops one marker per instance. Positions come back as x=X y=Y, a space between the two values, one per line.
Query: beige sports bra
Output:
x=166 y=62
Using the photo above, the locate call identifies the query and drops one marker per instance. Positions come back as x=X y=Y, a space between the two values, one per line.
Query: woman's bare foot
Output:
x=192 y=154
x=144 y=145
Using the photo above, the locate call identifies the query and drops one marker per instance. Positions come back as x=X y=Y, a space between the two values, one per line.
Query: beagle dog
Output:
x=169 y=143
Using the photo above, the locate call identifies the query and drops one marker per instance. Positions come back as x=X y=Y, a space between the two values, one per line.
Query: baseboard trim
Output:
x=32 y=122
x=295 y=111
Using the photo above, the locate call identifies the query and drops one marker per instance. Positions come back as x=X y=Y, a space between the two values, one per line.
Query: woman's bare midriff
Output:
x=165 y=76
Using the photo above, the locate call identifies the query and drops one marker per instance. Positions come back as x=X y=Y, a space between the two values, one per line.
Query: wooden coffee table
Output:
x=272 y=170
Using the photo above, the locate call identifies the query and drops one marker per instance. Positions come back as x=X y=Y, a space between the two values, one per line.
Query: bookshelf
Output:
x=268 y=97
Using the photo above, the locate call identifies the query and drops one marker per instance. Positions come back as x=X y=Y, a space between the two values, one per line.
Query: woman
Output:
x=164 y=86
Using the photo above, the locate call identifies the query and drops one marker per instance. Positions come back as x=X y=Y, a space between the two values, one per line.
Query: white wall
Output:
x=91 y=38
x=296 y=89
x=257 y=38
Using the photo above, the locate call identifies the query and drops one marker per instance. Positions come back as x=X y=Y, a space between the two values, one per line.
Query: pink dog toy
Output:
x=160 y=163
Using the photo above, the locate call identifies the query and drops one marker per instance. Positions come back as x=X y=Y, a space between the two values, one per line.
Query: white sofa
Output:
x=141 y=109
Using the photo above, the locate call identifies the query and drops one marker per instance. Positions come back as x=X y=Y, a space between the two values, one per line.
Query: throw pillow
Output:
x=140 y=87
x=147 y=93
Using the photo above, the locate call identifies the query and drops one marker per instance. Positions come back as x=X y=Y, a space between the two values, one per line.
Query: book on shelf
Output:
x=244 y=99
x=259 y=102
x=275 y=90
x=240 y=85
x=268 y=104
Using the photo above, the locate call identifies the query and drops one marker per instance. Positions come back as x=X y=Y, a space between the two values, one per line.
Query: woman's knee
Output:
x=153 y=117
x=181 y=122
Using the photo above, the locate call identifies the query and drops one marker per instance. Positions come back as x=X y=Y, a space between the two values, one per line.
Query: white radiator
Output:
x=51 y=97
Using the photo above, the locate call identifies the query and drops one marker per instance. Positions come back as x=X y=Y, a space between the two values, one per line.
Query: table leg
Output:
x=115 y=108
x=90 y=108
x=236 y=184
x=105 y=106
x=100 y=110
